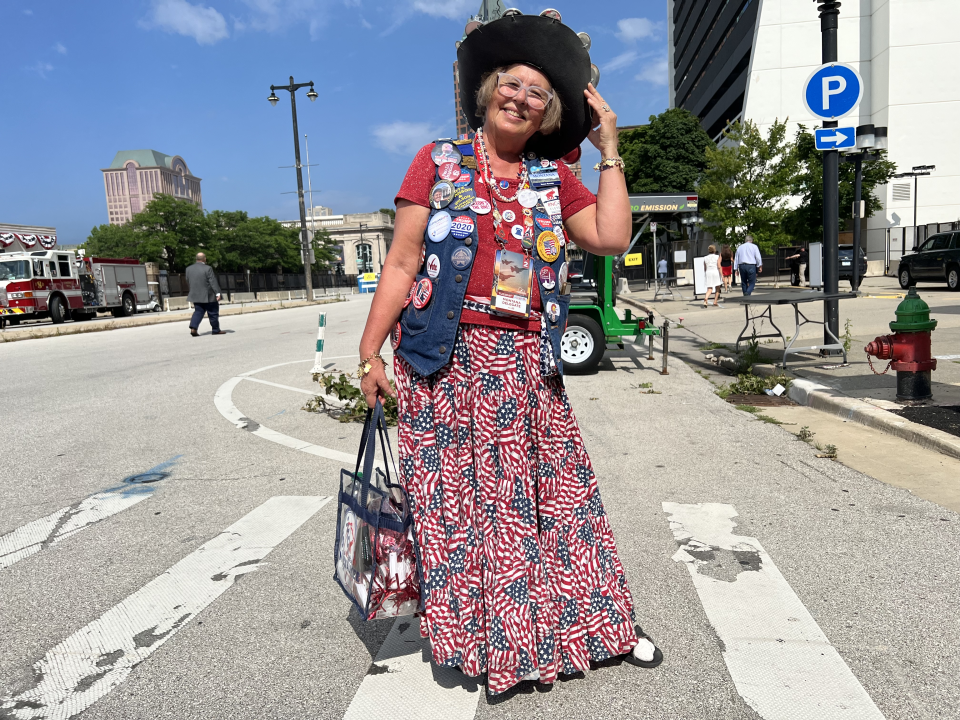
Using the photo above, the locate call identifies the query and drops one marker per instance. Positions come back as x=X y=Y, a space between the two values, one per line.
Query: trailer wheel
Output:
x=128 y=306
x=58 y=310
x=582 y=345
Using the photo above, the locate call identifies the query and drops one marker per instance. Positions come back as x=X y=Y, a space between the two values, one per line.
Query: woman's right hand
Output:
x=374 y=385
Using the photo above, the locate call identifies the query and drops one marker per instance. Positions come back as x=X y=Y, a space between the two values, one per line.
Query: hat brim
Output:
x=546 y=44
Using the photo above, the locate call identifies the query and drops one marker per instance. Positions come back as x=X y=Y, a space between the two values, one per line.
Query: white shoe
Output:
x=644 y=650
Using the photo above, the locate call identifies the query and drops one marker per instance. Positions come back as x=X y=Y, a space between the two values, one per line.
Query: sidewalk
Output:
x=33 y=332
x=853 y=392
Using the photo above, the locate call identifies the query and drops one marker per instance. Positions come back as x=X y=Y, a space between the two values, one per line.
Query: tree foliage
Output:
x=747 y=182
x=666 y=156
x=805 y=222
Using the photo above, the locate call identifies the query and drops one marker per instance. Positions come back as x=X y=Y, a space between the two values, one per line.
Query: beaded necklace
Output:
x=487 y=176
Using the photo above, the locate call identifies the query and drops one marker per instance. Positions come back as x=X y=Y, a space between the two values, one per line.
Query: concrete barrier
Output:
x=176 y=303
x=271 y=295
x=876 y=268
x=241 y=297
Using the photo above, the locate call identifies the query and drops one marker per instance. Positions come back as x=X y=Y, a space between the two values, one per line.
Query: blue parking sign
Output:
x=832 y=91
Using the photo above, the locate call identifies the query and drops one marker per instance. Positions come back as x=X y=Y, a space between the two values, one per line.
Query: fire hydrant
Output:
x=908 y=349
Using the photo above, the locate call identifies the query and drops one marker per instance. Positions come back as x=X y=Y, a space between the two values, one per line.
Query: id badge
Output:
x=512 y=284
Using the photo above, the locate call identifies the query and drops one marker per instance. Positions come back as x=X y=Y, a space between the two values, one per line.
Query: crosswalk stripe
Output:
x=97 y=658
x=782 y=664
x=58 y=526
x=401 y=684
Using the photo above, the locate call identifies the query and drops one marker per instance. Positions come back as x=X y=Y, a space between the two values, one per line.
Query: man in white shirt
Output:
x=662 y=268
x=748 y=263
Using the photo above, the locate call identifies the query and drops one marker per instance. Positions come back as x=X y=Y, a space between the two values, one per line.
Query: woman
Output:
x=521 y=577
x=711 y=264
x=726 y=266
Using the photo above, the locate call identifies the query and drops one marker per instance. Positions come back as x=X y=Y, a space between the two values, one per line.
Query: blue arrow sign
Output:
x=835 y=138
x=832 y=91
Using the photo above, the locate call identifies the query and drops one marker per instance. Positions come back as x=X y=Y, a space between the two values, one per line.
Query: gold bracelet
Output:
x=609 y=163
x=365 y=366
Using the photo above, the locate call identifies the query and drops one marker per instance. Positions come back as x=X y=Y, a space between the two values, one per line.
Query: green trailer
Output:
x=593 y=322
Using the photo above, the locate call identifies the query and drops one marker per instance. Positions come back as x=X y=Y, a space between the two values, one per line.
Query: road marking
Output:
x=400 y=680
x=946 y=357
x=96 y=659
x=56 y=527
x=783 y=665
x=312 y=393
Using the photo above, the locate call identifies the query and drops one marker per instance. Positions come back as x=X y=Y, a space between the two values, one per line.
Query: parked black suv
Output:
x=846 y=263
x=937 y=260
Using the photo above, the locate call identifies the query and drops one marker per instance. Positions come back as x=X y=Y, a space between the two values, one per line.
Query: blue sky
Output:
x=82 y=80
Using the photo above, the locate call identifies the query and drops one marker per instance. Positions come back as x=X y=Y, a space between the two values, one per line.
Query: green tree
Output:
x=666 y=156
x=805 y=222
x=112 y=241
x=171 y=231
x=748 y=183
x=389 y=211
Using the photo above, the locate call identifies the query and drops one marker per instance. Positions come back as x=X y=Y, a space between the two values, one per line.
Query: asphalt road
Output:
x=871 y=567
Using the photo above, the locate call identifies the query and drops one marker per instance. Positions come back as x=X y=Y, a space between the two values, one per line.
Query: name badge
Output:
x=512 y=284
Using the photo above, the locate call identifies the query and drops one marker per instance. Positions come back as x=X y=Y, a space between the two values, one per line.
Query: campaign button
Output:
x=509 y=215
x=549 y=194
x=433 y=266
x=504 y=184
x=517 y=231
x=552 y=308
x=527 y=197
x=531 y=155
x=395 y=337
x=462 y=226
x=441 y=194
x=422 y=293
x=446 y=152
x=548 y=247
x=449 y=171
x=562 y=273
x=527 y=240
x=480 y=206
x=544 y=223
x=545 y=163
x=560 y=236
x=463 y=198
x=548 y=278
x=439 y=226
x=527 y=221
x=552 y=207
x=410 y=295
x=461 y=258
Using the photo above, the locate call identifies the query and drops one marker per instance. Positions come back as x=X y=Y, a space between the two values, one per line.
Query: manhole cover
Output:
x=941 y=417
x=759 y=400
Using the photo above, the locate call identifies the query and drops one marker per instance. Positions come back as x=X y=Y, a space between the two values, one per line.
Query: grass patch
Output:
x=753 y=409
x=768 y=419
x=746 y=384
x=714 y=346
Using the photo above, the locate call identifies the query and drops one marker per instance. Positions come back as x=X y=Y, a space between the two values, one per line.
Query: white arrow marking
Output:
x=838 y=138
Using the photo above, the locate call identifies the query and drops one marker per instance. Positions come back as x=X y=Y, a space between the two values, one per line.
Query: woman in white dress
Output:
x=711 y=264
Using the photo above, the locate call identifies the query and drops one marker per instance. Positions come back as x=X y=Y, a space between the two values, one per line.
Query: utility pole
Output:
x=829 y=14
x=313 y=219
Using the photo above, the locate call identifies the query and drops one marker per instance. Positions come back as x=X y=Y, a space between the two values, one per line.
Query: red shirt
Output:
x=574 y=197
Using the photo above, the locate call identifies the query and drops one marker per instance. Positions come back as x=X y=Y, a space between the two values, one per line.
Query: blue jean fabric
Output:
x=748 y=278
x=212 y=311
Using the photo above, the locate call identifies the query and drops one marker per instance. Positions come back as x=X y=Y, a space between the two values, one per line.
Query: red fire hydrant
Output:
x=908 y=349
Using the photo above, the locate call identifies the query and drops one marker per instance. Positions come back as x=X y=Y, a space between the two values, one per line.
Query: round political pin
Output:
x=463 y=198
x=433 y=266
x=504 y=184
x=461 y=258
x=544 y=223
x=548 y=278
x=517 y=231
x=441 y=194
x=449 y=171
x=548 y=247
x=562 y=273
x=439 y=226
x=527 y=221
x=545 y=163
x=509 y=215
x=480 y=206
x=552 y=308
x=463 y=179
x=444 y=153
x=527 y=212
x=422 y=293
x=531 y=155
x=462 y=226
x=527 y=197
x=395 y=336
x=527 y=240
x=413 y=287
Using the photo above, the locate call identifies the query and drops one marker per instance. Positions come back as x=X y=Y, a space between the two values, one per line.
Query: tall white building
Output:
x=749 y=59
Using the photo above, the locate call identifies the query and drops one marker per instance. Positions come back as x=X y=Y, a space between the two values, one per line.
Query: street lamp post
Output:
x=304 y=238
x=868 y=138
x=916 y=171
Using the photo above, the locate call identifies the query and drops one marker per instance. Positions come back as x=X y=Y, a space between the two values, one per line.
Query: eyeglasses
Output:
x=510 y=86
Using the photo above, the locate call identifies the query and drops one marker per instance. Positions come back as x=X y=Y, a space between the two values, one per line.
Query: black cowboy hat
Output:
x=545 y=44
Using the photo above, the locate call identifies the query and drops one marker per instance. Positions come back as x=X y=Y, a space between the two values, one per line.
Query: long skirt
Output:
x=520 y=569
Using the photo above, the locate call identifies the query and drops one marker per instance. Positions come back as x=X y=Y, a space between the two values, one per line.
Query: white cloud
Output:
x=203 y=24
x=633 y=29
x=655 y=72
x=60 y=48
x=450 y=9
x=41 y=68
x=621 y=61
x=405 y=138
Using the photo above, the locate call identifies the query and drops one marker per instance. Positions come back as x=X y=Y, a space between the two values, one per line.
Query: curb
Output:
x=141 y=320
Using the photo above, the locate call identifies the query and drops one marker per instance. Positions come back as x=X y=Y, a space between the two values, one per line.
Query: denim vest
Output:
x=428 y=334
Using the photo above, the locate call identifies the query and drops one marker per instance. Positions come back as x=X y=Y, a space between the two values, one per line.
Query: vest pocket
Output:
x=416 y=321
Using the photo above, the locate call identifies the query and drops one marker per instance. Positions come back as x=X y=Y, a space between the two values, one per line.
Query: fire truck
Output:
x=59 y=285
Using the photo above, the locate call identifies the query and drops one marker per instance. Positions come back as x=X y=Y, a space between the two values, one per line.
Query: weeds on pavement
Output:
x=826 y=451
x=714 y=346
x=755 y=411
x=847 y=337
x=746 y=384
x=354 y=407
x=805 y=434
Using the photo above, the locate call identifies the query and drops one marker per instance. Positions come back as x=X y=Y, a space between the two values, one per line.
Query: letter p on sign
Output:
x=832 y=91
x=832 y=85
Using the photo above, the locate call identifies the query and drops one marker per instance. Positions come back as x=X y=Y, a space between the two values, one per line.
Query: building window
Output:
x=132 y=178
x=364 y=258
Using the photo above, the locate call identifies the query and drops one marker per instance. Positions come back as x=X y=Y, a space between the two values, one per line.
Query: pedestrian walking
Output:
x=711 y=266
x=748 y=263
x=662 y=268
x=521 y=576
x=798 y=267
x=204 y=294
x=726 y=266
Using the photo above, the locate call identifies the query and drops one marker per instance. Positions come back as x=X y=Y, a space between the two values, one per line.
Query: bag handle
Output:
x=374 y=424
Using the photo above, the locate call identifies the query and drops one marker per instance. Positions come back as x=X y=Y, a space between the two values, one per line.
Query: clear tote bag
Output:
x=375 y=556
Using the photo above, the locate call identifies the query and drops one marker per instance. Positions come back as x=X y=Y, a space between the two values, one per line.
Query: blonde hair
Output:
x=712 y=249
x=488 y=86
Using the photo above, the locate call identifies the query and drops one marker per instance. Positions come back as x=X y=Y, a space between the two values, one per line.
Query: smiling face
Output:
x=513 y=117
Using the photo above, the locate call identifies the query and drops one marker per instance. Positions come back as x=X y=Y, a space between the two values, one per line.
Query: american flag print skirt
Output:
x=520 y=568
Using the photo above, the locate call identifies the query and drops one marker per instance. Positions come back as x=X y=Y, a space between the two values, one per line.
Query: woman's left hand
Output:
x=603 y=134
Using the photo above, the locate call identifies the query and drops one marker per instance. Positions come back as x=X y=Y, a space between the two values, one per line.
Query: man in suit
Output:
x=204 y=294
